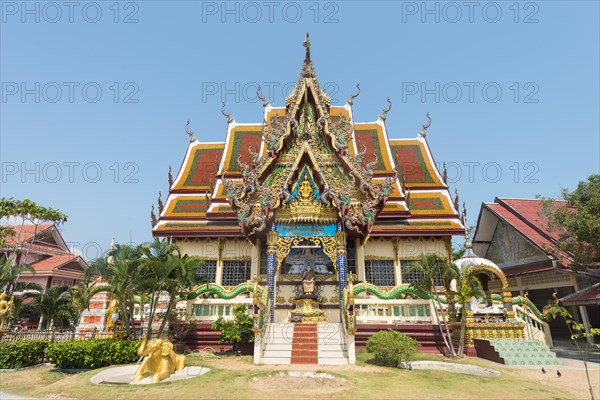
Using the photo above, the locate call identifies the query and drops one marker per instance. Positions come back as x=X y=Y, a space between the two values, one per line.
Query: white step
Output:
x=277 y=353
x=276 y=361
x=278 y=346
x=333 y=354
x=333 y=361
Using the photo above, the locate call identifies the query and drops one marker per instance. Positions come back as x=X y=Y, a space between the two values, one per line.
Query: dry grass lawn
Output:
x=237 y=377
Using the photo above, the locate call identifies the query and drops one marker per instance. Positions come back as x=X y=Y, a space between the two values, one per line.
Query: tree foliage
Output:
x=20 y=213
x=577 y=221
x=430 y=267
x=579 y=335
x=239 y=329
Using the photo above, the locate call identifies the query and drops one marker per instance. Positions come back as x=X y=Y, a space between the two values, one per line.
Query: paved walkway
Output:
x=566 y=349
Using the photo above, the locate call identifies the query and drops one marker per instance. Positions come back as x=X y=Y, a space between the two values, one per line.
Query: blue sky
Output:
x=95 y=95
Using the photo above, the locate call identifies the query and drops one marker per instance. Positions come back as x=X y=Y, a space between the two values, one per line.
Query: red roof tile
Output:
x=526 y=217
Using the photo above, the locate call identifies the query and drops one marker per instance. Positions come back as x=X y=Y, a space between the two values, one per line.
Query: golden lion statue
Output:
x=160 y=362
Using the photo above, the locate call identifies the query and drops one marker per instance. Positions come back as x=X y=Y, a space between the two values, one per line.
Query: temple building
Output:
x=514 y=233
x=308 y=186
x=45 y=250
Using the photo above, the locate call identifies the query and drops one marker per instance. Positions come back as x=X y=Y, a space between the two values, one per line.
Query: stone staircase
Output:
x=516 y=352
x=305 y=344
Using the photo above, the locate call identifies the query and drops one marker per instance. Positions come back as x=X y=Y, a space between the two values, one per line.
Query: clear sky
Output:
x=95 y=95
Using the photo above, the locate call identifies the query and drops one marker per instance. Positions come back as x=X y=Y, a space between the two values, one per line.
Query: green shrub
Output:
x=392 y=348
x=93 y=353
x=21 y=353
x=236 y=331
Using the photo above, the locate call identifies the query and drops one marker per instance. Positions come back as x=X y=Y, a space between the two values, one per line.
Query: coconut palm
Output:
x=430 y=267
x=53 y=306
x=123 y=275
x=468 y=286
x=81 y=294
x=165 y=270
x=9 y=275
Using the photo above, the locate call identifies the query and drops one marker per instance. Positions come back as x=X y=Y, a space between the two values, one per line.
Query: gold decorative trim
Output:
x=284 y=245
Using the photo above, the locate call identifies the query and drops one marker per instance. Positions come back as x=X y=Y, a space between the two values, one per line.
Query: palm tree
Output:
x=53 y=305
x=431 y=266
x=81 y=294
x=166 y=270
x=9 y=275
x=183 y=279
x=123 y=275
x=467 y=286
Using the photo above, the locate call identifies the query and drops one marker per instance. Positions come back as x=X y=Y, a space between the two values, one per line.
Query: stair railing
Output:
x=535 y=328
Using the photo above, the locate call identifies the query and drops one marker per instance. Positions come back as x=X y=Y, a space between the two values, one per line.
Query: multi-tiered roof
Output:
x=348 y=171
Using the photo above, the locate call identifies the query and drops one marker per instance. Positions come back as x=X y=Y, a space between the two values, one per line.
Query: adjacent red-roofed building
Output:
x=514 y=234
x=43 y=247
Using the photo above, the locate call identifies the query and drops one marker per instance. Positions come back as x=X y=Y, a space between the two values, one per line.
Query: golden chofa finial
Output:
x=260 y=96
x=161 y=205
x=386 y=110
x=170 y=177
x=423 y=132
x=153 y=219
x=226 y=114
x=189 y=132
x=307 y=45
x=355 y=95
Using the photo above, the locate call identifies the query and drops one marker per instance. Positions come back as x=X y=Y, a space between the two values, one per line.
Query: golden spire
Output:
x=307 y=45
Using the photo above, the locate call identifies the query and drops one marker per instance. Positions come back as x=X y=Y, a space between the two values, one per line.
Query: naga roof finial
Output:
x=355 y=95
x=153 y=219
x=189 y=132
x=226 y=114
x=170 y=177
x=161 y=206
x=260 y=96
x=423 y=132
x=307 y=45
x=456 y=199
x=383 y=115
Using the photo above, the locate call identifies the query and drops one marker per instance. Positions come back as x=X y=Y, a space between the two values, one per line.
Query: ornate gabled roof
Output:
x=370 y=184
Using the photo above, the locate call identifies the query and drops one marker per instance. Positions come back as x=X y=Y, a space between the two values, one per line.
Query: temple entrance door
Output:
x=294 y=256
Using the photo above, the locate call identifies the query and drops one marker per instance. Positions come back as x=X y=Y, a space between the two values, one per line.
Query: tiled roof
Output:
x=188 y=211
x=525 y=217
x=25 y=232
x=588 y=296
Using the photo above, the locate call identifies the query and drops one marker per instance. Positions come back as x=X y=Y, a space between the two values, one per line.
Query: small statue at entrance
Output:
x=308 y=281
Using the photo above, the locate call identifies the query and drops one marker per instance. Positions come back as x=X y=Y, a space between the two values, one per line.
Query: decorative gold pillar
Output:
x=507 y=300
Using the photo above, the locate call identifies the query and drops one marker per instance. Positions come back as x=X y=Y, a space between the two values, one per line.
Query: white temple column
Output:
x=360 y=260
